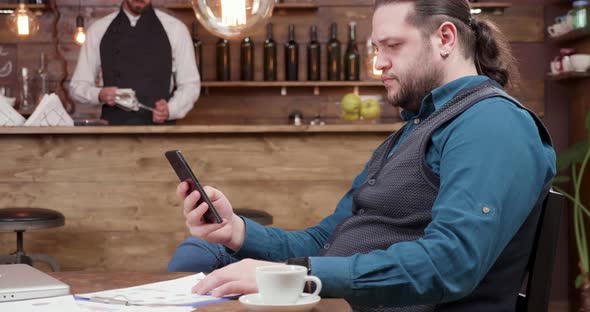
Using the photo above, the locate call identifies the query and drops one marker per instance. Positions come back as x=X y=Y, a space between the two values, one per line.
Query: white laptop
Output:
x=20 y=282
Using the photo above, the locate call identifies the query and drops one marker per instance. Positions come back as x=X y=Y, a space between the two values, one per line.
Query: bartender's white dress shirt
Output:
x=84 y=89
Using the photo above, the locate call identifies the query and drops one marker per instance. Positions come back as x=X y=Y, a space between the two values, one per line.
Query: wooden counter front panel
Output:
x=117 y=191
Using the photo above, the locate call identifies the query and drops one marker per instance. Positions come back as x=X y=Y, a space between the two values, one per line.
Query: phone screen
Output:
x=184 y=173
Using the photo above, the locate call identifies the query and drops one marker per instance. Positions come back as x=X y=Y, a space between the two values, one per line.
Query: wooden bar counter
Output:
x=116 y=189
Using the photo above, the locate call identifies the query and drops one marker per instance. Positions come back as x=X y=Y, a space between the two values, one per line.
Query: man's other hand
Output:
x=236 y=278
x=160 y=113
x=107 y=95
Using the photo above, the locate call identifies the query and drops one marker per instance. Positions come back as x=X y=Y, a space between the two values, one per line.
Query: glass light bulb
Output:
x=233 y=19
x=80 y=35
x=23 y=22
x=372 y=70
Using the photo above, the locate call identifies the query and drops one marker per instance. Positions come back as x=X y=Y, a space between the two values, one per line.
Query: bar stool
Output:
x=258 y=216
x=20 y=220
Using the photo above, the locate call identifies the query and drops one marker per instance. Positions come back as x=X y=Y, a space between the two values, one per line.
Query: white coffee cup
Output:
x=283 y=284
x=580 y=62
x=558 y=29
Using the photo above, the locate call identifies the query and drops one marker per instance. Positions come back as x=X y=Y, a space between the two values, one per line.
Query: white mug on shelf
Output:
x=561 y=64
x=580 y=62
x=559 y=29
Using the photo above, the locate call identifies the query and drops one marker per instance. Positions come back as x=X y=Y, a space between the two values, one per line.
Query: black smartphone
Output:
x=184 y=173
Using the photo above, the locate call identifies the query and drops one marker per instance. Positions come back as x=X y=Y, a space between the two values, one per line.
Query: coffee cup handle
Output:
x=318 y=284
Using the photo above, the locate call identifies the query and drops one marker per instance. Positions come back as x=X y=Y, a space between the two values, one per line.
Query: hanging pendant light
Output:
x=80 y=34
x=22 y=21
x=233 y=19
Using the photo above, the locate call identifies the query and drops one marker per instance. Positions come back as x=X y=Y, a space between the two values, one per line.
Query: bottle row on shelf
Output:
x=351 y=60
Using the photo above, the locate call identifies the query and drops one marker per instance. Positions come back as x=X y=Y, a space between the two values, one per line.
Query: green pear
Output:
x=370 y=109
x=351 y=103
x=350 y=116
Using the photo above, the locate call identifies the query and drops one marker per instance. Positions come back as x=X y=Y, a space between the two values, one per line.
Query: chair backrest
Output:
x=540 y=267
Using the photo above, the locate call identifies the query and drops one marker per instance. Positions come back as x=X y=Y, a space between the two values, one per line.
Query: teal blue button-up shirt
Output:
x=490 y=156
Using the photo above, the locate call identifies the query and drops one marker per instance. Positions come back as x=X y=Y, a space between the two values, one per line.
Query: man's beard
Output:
x=413 y=88
x=135 y=8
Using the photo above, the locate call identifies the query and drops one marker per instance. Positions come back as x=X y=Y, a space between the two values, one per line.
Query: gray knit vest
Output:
x=395 y=204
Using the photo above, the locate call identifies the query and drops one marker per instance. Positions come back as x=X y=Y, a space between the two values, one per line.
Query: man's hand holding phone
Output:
x=230 y=232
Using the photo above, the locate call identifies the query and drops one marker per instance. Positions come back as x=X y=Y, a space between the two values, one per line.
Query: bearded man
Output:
x=143 y=49
x=443 y=216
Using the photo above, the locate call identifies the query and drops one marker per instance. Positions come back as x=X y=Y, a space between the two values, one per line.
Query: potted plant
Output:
x=574 y=161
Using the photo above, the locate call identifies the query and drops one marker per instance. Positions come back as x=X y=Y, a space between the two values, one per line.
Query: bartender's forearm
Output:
x=84 y=93
x=183 y=99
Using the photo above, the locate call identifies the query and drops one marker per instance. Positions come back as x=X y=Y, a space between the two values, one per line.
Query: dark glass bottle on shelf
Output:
x=270 y=56
x=223 y=60
x=333 y=52
x=313 y=55
x=291 y=56
x=247 y=59
x=198 y=47
x=352 y=57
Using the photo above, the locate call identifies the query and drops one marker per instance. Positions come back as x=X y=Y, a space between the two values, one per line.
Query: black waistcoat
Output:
x=395 y=205
x=139 y=58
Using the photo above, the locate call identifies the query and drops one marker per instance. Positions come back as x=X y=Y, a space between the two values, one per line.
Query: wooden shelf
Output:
x=494 y=8
x=32 y=7
x=290 y=84
x=281 y=6
x=297 y=6
x=568 y=76
x=572 y=35
x=197 y=129
x=490 y=5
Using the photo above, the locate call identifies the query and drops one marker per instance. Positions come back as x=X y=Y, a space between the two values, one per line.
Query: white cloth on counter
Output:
x=9 y=117
x=8 y=100
x=127 y=99
x=50 y=112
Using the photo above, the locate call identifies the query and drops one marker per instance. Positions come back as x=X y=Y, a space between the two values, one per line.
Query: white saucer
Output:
x=254 y=303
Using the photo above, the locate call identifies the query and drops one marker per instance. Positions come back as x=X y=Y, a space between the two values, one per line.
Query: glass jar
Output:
x=579 y=14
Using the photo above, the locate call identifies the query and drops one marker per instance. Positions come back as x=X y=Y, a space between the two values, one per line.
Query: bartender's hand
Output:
x=107 y=95
x=230 y=233
x=236 y=278
x=160 y=113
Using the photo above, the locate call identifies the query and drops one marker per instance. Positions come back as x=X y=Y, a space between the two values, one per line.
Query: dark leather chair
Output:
x=540 y=267
x=20 y=220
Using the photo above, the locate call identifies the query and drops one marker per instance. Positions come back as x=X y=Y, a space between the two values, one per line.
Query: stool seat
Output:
x=26 y=219
x=258 y=216
x=20 y=220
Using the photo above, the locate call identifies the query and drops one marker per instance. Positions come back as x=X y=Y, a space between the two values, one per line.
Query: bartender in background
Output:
x=143 y=49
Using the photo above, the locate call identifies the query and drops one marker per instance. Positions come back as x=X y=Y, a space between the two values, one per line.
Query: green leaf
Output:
x=564 y=160
x=561 y=179
x=573 y=155
x=579 y=151
x=580 y=280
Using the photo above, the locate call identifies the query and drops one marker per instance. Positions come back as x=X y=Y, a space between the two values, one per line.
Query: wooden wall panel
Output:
x=117 y=191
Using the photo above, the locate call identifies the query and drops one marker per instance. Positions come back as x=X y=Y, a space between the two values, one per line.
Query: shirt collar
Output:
x=441 y=95
x=132 y=18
